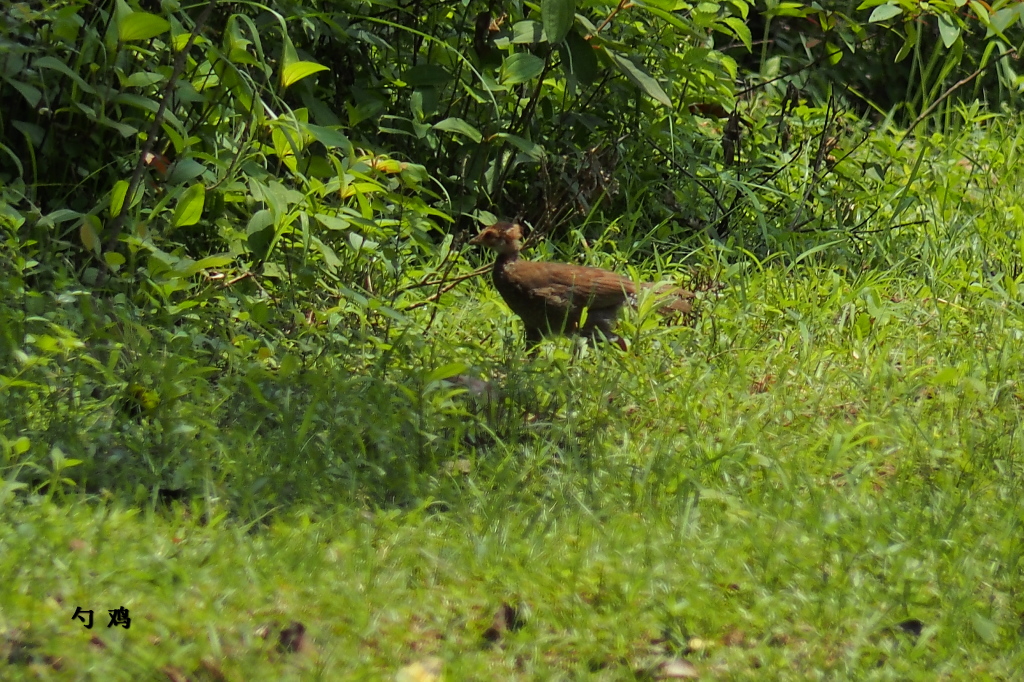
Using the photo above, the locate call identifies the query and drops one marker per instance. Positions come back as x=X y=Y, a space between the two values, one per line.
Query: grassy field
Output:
x=821 y=478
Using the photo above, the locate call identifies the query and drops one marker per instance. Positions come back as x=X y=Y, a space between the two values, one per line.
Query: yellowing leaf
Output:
x=89 y=233
x=296 y=71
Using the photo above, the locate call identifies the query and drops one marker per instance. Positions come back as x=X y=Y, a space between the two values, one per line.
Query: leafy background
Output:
x=236 y=316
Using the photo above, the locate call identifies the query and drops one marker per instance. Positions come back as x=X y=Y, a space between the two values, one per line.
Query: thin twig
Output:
x=451 y=285
x=623 y=4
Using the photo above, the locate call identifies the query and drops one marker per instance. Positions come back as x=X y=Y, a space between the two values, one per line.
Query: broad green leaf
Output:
x=184 y=170
x=1004 y=18
x=330 y=257
x=948 y=29
x=531 y=149
x=426 y=74
x=883 y=12
x=123 y=128
x=740 y=28
x=446 y=372
x=260 y=220
x=31 y=93
x=114 y=260
x=89 y=233
x=333 y=222
x=791 y=9
x=908 y=43
x=117 y=197
x=557 y=16
x=521 y=67
x=141 y=26
x=142 y=79
x=328 y=137
x=187 y=268
x=640 y=79
x=458 y=125
x=190 y=206
x=296 y=71
x=57 y=65
x=62 y=215
x=581 y=62
x=834 y=52
x=528 y=32
x=361 y=243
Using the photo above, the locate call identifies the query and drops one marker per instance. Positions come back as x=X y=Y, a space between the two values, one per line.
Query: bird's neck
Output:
x=505 y=259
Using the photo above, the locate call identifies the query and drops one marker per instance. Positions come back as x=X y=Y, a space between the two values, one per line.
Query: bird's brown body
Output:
x=550 y=298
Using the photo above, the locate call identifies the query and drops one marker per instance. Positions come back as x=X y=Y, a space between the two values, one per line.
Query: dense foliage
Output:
x=233 y=293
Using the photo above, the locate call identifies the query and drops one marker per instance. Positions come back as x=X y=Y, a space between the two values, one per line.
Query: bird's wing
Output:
x=561 y=283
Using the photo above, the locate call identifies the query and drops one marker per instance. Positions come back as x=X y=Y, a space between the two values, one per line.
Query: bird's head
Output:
x=501 y=237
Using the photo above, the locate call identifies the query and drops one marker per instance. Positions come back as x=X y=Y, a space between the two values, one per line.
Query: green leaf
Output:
x=296 y=71
x=183 y=170
x=142 y=79
x=1002 y=19
x=740 y=28
x=558 y=16
x=141 y=26
x=948 y=29
x=89 y=233
x=57 y=65
x=329 y=137
x=332 y=222
x=985 y=628
x=528 y=32
x=190 y=206
x=457 y=125
x=361 y=243
x=62 y=215
x=446 y=372
x=640 y=79
x=123 y=128
x=426 y=74
x=521 y=67
x=909 y=41
x=834 y=52
x=114 y=260
x=581 y=62
x=330 y=257
x=187 y=268
x=117 y=197
x=671 y=19
x=31 y=93
x=883 y=12
x=531 y=149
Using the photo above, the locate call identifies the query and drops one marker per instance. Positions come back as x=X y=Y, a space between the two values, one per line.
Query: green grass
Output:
x=831 y=455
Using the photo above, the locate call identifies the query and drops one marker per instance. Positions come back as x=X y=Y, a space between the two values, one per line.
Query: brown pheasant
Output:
x=550 y=297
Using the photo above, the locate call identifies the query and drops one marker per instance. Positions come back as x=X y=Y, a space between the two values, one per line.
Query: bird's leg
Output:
x=533 y=339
